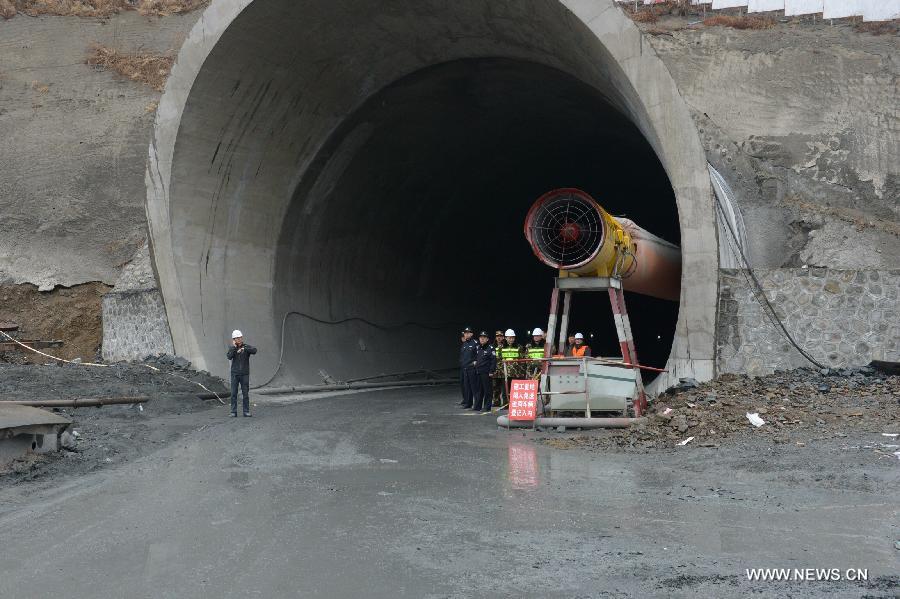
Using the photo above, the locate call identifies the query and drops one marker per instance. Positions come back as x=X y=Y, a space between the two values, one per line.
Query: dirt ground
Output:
x=112 y=434
x=797 y=407
x=70 y=314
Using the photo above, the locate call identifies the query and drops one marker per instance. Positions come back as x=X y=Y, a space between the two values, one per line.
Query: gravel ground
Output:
x=798 y=407
x=111 y=434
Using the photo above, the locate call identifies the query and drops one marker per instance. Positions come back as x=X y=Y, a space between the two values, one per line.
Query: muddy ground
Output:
x=109 y=435
x=854 y=410
x=399 y=493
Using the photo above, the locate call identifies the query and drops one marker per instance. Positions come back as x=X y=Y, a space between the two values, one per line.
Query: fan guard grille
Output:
x=566 y=228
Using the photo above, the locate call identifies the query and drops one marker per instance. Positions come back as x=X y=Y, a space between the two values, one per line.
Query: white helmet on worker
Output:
x=510 y=333
x=537 y=332
x=579 y=336
x=236 y=333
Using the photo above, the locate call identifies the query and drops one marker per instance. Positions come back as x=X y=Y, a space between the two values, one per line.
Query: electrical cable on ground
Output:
x=96 y=365
x=757 y=289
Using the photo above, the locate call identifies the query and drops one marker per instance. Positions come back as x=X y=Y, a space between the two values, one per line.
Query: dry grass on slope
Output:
x=149 y=69
x=879 y=27
x=97 y=8
x=645 y=16
x=740 y=22
x=169 y=7
x=7 y=9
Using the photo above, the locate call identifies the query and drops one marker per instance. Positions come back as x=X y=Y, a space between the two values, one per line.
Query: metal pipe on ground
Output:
x=79 y=402
x=345 y=387
x=398 y=374
x=505 y=422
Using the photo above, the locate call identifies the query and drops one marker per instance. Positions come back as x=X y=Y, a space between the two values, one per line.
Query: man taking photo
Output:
x=239 y=354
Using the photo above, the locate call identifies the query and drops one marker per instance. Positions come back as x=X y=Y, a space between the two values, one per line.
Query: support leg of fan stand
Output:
x=506 y=386
x=620 y=325
x=564 y=322
x=626 y=344
x=626 y=321
x=587 y=388
x=552 y=323
x=639 y=378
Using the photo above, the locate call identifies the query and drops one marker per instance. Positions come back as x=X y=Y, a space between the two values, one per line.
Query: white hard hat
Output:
x=537 y=332
x=579 y=336
x=510 y=333
x=236 y=333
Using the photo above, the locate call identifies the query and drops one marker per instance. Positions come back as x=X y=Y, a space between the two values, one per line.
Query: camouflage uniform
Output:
x=499 y=390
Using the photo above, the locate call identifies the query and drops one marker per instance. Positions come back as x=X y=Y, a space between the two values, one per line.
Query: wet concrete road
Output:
x=398 y=494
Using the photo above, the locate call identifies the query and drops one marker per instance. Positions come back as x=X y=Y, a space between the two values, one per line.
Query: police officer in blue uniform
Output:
x=467 y=359
x=485 y=363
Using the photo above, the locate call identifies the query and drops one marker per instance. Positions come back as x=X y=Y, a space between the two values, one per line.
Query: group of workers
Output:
x=484 y=378
x=485 y=369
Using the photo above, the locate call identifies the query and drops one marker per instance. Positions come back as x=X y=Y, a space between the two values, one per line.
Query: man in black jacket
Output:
x=485 y=364
x=239 y=354
x=467 y=366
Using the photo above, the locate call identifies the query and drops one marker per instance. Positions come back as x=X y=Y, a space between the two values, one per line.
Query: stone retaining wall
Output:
x=135 y=325
x=134 y=316
x=840 y=317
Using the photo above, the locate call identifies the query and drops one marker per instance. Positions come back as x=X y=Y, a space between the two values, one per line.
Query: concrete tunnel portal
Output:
x=424 y=217
x=366 y=169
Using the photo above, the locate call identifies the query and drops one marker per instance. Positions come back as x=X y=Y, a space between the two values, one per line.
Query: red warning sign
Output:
x=523 y=399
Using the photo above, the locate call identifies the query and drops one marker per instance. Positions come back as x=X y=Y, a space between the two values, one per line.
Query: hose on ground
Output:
x=430 y=327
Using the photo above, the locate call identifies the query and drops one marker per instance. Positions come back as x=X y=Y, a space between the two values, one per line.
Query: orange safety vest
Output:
x=578 y=352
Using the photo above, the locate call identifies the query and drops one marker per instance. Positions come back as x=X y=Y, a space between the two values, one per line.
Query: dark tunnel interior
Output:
x=413 y=212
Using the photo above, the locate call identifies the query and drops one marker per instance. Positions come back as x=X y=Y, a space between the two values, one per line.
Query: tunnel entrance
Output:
x=369 y=165
x=409 y=221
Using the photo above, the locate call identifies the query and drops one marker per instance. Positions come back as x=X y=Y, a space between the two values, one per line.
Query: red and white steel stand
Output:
x=613 y=286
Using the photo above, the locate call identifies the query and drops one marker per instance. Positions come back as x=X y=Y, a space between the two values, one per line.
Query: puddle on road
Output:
x=523 y=471
x=528 y=466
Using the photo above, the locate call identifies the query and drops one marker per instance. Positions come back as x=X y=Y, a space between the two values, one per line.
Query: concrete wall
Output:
x=840 y=317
